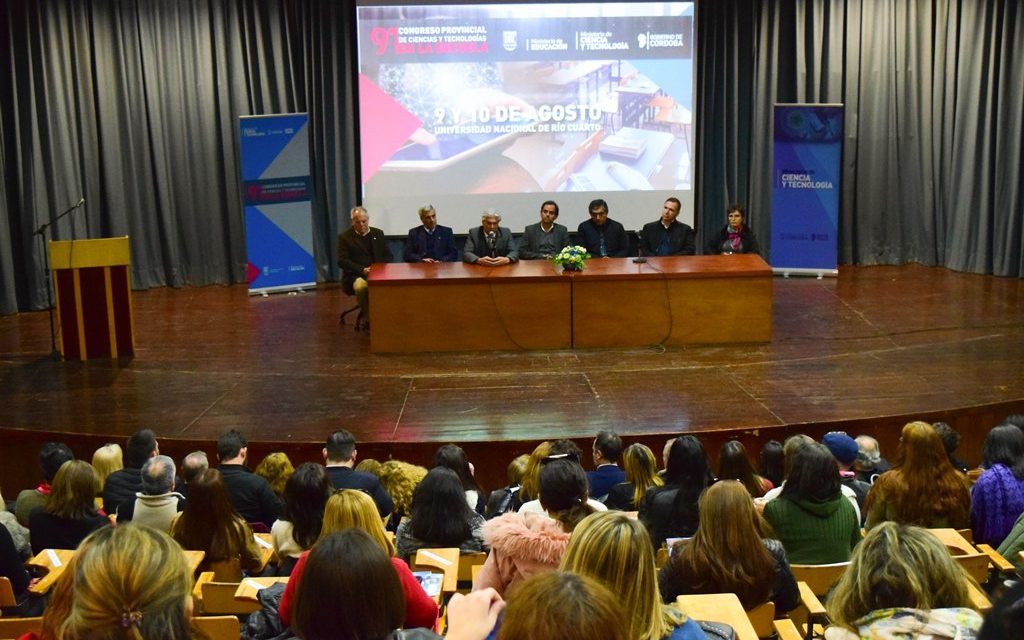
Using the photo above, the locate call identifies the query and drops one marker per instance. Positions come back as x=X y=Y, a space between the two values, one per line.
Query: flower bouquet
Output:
x=572 y=258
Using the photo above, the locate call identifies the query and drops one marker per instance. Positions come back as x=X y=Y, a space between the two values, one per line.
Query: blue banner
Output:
x=806 y=187
x=277 y=192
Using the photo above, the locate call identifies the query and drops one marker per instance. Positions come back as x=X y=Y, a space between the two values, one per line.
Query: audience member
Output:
x=454 y=457
x=612 y=548
x=250 y=495
x=1013 y=544
x=490 y=244
x=544 y=239
x=870 y=463
x=671 y=511
x=667 y=236
x=641 y=471
x=811 y=518
x=440 y=517
x=1006 y=615
x=19 y=534
x=51 y=456
x=950 y=441
x=351 y=509
x=923 y=488
x=997 y=498
x=369 y=465
x=789 y=449
x=563 y=449
x=157 y=503
x=430 y=242
x=844 y=449
x=210 y=523
x=340 y=457
x=191 y=466
x=128 y=581
x=399 y=480
x=106 y=460
x=773 y=460
x=275 y=468
x=734 y=464
x=123 y=484
x=305 y=495
x=530 y=488
x=12 y=568
x=600 y=235
x=526 y=543
x=606 y=452
x=902 y=583
x=729 y=554
x=507 y=498
x=564 y=606
x=69 y=514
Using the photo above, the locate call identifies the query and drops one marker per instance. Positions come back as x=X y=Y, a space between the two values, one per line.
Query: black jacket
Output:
x=347 y=478
x=119 y=487
x=353 y=256
x=251 y=495
x=680 y=239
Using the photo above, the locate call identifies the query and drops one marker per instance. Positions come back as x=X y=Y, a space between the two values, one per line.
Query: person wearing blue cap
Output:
x=844 y=450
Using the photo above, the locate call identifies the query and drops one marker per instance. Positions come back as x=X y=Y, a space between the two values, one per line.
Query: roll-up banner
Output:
x=805 y=188
x=277 y=193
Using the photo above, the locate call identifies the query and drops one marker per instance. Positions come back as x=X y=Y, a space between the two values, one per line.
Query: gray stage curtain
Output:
x=134 y=106
x=933 y=167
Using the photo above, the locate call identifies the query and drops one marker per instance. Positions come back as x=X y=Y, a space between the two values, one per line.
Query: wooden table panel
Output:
x=462 y=307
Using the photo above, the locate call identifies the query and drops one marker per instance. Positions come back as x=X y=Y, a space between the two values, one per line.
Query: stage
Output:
x=863 y=352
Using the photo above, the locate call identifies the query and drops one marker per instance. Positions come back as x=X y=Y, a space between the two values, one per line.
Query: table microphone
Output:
x=640 y=249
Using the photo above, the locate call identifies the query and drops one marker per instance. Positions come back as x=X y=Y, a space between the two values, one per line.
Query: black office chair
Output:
x=361 y=322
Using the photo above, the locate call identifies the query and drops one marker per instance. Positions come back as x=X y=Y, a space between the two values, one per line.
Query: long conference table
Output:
x=613 y=302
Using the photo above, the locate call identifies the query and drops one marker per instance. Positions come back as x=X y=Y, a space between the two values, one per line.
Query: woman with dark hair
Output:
x=922 y=488
x=773 y=462
x=733 y=464
x=997 y=499
x=729 y=554
x=455 y=458
x=671 y=511
x=523 y=544
x=305 y=494
x=812 y=519
x=209 y=523
x=641 y=470
x=69 y=514
x=440 y=517
x=735 y=236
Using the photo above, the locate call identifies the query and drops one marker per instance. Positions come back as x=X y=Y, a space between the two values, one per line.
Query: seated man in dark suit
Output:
x=123 y=484
x=250 y=495
x=546 y=238
x=430 y=242
x=668 y=236
x=358 y=248
x=607 y=451
x=490 y=244
x=602 y=236
x=340 y=458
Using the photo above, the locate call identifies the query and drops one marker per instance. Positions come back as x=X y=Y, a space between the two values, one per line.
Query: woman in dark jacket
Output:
x=671 y=511
x=69 y=514
x=735 y=236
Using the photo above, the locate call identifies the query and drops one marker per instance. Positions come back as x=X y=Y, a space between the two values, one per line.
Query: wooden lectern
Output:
x=92 y=281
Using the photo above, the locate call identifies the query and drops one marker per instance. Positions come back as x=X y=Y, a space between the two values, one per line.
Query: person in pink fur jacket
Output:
x=524 y=544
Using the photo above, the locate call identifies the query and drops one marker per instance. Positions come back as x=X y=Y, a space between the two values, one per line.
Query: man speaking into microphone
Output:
x=490 y=244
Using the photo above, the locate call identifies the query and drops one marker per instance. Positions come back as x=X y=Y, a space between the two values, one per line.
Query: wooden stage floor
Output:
x=875 y=343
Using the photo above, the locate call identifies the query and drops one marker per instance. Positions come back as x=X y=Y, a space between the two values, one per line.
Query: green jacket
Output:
x=814 y=532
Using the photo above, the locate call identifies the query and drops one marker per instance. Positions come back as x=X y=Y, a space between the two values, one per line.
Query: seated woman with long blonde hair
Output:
x=729 y=554
x=131 y=581
x=641 y=468
x=902 y=583
x=353 y=509
x=614 y=549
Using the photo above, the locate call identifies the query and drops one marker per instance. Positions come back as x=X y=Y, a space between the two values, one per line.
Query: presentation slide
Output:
x=472 y=107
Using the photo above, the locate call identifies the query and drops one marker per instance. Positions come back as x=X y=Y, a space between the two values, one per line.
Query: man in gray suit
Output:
x=546 y=238
x=490 y=244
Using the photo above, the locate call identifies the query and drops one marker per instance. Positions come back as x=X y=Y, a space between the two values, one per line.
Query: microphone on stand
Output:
x=639 y=259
